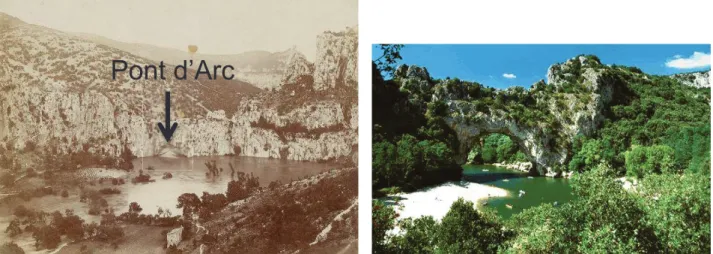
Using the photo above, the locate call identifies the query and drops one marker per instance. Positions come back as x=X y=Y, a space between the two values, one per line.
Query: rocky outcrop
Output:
x=521 y=166
x=543 y=136
x=298 y=67
x=268 y=71
x=173 y=237
x=694 y=79
x=336 y=62
x=326 y=227
x=56 y=92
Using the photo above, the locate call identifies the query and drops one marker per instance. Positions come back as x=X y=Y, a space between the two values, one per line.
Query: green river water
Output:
x=537 y=189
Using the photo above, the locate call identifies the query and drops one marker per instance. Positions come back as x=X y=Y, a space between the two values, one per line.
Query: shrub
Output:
x=7 y=179
x=11 y=248
x=419 y=236
x=135 y=208
x=47 y=237
x=13 y=229
x=31 y=172
x=464 y=230
x=383 y=218
x=644 y=160
x=109 y=191
x=246 y=185
x=22 y=211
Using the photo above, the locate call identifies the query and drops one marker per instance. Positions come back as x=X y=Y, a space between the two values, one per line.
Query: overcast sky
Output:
x=216 y=26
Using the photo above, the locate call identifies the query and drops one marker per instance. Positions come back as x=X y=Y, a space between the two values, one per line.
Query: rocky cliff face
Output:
x=337 y=54
x=694 y=79
x=544 y=136
x=298 y=68
x=56 y=91
x=267 y=71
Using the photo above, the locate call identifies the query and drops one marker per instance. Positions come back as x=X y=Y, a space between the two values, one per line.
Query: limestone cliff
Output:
x=57 y=91
x=337 y=54
x=542 y=120
x=694 y=79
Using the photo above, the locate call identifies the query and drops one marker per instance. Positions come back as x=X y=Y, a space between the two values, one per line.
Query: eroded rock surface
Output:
x=695 y=79
x=545 y=143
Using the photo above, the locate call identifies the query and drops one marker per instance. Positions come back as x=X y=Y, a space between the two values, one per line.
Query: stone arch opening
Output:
x=466 y=153
x=543 y=120
x=494 y=147
x=532 y=143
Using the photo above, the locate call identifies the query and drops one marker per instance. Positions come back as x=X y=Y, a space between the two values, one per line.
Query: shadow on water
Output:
x=392 y=200
x=487 y=177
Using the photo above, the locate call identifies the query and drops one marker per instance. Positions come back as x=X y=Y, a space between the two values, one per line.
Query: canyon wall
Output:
x=56 y=91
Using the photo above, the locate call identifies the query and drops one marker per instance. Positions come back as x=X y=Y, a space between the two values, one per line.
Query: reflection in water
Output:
x=189 y=176
x=525 y=192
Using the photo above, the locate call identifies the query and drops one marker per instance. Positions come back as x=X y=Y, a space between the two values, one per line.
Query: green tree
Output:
x=544 y=229
x=605 y=240
x=435 y=154
x=591 y=153
x=390 y=55
x=419 y=236
x=384 y=164
x=408 y=155
x=644 y=160
x=383 y=219
x=678 y=209
x=606 y=206
x=489 y=154
x=506 y=149
x=465 y=230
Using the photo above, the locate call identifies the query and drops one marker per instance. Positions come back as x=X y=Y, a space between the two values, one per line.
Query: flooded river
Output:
x=189 y=176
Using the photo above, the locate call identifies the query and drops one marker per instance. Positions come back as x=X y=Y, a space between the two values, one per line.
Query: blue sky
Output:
x=507 y=65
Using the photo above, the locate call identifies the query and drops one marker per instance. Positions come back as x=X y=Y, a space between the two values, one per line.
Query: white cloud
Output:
x=697 y=60
x=509 y=75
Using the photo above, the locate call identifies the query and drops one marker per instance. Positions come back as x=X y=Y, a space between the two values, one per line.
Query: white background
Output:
x=448 y=21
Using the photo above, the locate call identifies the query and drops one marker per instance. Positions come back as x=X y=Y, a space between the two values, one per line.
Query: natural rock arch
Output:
x=538 y=152
x=570 y=103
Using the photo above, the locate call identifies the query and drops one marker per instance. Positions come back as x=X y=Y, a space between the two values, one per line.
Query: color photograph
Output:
x=541 y=148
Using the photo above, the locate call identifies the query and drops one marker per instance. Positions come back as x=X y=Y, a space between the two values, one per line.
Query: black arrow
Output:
x=168 y=133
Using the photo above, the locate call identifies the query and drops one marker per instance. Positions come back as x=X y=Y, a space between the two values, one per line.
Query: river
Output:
x=537 y=190
x=490 y=187
x=189 y=176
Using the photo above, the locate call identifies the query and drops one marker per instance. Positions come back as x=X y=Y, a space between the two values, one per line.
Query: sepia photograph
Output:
x=178 y=126
x=541 y=148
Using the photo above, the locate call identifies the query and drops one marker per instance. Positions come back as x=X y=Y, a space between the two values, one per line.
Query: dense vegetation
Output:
x=495 y=148
x=48 y=228
x=412 y=147
x=656 y=133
